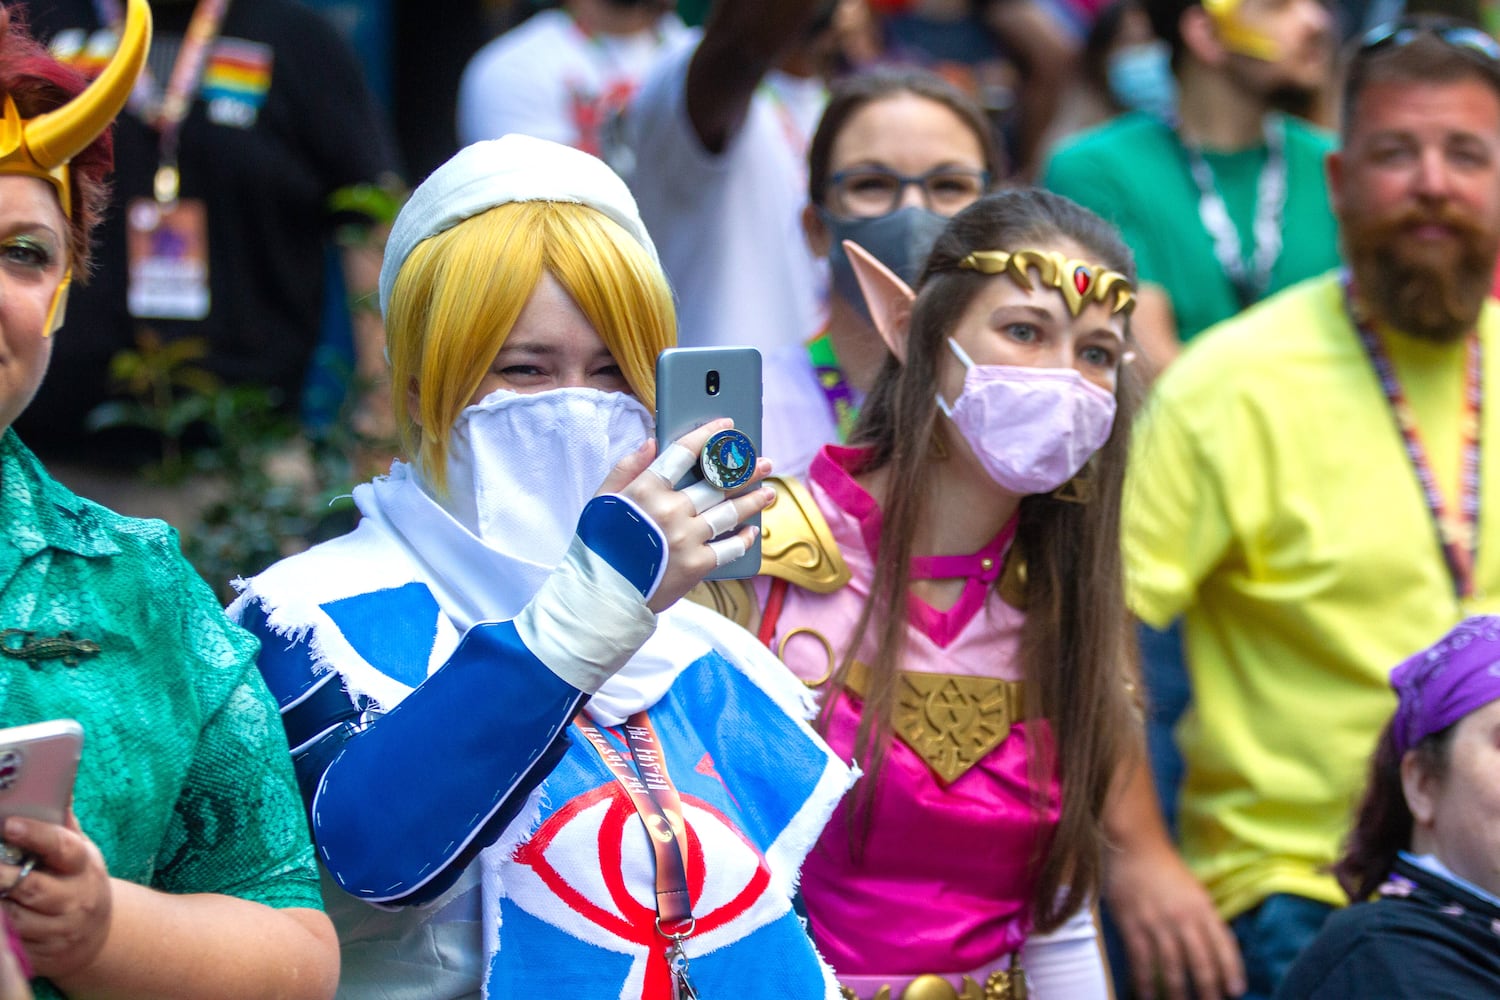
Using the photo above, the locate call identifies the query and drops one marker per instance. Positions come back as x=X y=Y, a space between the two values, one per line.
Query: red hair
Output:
x=39 y=83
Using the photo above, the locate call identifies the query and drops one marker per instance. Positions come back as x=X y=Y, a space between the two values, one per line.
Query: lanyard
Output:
x=165 y=110
x=659 y=805
x=1270 y=202
x=1460 y=540
x=791 y=129
x=610 y=65
x=843 y=398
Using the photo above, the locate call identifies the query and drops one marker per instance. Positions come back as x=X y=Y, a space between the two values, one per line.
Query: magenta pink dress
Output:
x=946 y=878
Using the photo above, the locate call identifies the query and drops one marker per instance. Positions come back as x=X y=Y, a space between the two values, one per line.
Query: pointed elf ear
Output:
x=887 y=296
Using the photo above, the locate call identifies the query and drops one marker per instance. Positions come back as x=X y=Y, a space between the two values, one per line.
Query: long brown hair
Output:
x=1077 y=647
x=1383 y=826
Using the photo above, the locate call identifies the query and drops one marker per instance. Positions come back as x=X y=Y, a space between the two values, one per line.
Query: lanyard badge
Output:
x=682 y=985
x=641 y=771
x=167 y=236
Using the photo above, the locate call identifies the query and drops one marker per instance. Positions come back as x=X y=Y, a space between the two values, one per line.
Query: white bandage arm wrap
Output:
x=590 y=615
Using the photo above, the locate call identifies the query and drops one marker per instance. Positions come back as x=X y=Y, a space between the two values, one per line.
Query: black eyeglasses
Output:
x=1460 y=36
x=865 y=192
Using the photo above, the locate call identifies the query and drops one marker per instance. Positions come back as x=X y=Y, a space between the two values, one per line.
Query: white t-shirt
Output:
x=797 y=420
x=728 y=225
x=548 y=78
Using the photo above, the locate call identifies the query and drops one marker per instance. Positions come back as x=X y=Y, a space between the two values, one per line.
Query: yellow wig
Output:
x=459 y=293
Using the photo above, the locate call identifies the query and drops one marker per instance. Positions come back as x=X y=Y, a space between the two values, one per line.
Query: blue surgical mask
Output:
x=1140 y=78
x=900 y=240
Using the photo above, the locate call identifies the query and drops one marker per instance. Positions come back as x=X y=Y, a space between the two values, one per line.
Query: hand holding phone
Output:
x=38 y=764
x=697 y=384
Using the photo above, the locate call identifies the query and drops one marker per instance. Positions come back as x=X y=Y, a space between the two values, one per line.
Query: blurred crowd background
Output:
x=225 y=367
x=277 y=387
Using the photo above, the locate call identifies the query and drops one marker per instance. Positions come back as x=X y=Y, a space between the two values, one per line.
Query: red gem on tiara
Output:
x=1081 y=278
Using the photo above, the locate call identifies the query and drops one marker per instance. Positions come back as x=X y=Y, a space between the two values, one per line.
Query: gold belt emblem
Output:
x=1002 y=984
x=951 y=720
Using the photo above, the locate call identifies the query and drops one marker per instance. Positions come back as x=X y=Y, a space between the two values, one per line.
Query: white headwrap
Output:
x=510 y=511
x=498 y=172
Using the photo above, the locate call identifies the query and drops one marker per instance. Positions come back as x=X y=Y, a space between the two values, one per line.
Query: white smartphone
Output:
x=38 y=764
x=697 y=384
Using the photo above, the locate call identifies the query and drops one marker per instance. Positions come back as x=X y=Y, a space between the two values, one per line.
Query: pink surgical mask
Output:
x=1032 y=428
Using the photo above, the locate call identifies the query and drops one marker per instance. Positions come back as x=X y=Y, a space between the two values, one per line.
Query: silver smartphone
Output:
x=697 y=384
x=38 y=764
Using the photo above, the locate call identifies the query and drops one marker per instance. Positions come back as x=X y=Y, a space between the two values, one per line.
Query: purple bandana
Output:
x=1438 y=686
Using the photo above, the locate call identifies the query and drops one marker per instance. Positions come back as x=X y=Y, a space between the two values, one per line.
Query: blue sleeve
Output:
x=400 y=803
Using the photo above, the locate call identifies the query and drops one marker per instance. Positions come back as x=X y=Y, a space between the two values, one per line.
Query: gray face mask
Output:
x=901 y=241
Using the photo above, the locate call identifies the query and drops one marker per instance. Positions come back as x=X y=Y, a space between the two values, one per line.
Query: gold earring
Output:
x=1079 y=489
x=939 y=450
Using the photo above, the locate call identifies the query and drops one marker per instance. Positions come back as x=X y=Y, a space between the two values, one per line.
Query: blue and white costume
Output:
x=428 y=676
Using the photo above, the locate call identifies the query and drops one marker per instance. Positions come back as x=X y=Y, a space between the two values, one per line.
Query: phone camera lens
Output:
x=711 y=382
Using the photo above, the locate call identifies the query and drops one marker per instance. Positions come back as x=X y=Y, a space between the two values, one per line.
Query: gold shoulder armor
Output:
x=734 y=599
x=796 y=546
x=796 y=543
x=1013 y=580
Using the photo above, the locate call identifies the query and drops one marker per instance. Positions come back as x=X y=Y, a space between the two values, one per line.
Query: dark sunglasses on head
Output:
x=1460 y=36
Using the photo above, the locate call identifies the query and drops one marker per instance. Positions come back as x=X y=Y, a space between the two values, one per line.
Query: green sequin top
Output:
x=185 y=784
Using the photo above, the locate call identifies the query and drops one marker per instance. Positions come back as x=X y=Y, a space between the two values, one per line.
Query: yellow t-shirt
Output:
x=1272 y=503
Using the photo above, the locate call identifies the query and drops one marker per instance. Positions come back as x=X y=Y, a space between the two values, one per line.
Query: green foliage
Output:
x=365 y=213
x=168 y=394
x=272 y=490
x=379 y=203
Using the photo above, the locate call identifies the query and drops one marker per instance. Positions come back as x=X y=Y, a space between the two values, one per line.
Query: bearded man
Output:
x=1305 y=491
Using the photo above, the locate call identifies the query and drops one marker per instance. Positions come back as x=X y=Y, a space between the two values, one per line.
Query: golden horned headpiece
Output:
x=1079 y=281
x=42 y=146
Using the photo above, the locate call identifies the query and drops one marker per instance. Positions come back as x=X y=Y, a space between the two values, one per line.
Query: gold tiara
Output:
x=1079 y=281
x=42 y=146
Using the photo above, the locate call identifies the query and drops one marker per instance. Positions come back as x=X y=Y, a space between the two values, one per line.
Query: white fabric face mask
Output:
x=521 y=467
x=1032 y=428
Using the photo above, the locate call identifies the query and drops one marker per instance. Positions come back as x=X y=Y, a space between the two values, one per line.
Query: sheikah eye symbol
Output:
x=599 y=825
x=10 y=767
